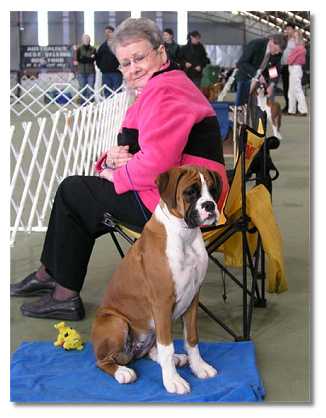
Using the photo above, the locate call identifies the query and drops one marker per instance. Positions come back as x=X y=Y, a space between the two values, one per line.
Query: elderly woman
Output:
x=170 y=124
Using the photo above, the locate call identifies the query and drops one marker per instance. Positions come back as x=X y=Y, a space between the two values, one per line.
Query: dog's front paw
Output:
x=203 y=370
x=125 y=375
x=176 y=384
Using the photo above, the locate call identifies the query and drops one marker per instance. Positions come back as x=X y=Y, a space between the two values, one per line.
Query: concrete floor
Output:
x=281 y=331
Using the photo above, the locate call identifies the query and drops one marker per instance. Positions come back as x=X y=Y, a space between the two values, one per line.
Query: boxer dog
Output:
x=158 y=281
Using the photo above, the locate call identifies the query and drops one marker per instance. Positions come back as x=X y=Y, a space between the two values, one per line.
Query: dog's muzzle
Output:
x=203 y=214
x=208 y=212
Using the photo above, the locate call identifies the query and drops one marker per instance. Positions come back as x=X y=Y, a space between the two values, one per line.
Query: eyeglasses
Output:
x=136 y=59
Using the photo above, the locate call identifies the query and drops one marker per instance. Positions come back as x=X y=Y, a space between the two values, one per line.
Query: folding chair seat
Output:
x=237 y=237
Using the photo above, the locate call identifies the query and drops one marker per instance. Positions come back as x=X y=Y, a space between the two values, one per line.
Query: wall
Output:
x=67 y=28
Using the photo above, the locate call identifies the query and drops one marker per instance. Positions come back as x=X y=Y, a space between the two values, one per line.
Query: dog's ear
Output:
x=217 y=182
x=167 y=184
x=162 y=181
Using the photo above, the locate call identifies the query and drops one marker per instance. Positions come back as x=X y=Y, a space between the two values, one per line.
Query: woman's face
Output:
x=139 y=61
x=86 y=40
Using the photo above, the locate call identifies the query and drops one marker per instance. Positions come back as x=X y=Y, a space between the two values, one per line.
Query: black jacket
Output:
x=86 y=56
x=252 y=56
x=196 y=55
x=106 y=60
x=173 y=51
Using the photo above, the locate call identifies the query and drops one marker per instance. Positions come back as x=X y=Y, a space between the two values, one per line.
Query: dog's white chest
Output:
x=188 y=262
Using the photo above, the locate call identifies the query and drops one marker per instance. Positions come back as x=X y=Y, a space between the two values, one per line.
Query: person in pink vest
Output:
x=170 y=124
x=296 y=59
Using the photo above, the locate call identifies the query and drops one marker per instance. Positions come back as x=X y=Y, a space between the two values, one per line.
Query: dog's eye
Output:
x=214 y=193
x=192 y=193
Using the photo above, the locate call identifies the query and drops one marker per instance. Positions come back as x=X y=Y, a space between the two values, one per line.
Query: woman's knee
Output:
x=70 y=187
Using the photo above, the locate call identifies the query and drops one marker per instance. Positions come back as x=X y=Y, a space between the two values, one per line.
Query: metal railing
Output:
x=46 y=150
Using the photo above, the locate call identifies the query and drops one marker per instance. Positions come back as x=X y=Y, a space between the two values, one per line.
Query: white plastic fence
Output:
x=48 y=93
x=227 y=85
x=46 y=150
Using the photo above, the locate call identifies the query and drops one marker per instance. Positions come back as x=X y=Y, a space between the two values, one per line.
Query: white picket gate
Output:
x=46 y=150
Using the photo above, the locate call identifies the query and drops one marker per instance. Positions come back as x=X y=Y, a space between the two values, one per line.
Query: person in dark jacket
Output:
x=85 y=57
x=260 y=62
x=193 y=57
x=172 y=48
x=108 y=64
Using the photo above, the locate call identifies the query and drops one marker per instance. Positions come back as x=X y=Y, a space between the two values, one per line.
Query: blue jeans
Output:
x=111 y=80
x=242 y=96
x=83 y=80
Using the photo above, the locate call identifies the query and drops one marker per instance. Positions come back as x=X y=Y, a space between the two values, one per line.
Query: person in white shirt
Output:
x=289 y=33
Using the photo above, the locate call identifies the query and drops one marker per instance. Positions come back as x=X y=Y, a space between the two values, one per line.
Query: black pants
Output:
x=77 y=220
x=285 y=81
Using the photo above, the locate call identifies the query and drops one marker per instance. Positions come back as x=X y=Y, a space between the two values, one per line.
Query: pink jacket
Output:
x=297 y=56
x=164 y=117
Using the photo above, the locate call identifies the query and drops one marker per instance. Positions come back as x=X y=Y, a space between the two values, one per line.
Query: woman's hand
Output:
x=188 y=65
x=107 y=174
x=118 y=156
x=198 y=68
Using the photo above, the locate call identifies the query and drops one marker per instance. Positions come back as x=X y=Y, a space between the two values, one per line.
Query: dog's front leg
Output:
x=172 y=381
x=198 y=366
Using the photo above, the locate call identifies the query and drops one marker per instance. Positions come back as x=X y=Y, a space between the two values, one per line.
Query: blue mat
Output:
x=43 y=373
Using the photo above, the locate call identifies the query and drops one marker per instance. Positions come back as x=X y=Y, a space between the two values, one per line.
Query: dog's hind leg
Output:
x=110 y=342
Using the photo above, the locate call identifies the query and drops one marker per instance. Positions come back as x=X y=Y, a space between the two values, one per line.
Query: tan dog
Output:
x=159 y=281
x=272 y=109
x=213 y=91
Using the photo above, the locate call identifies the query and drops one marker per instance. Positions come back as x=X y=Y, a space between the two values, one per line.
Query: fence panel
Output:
x=48 y=149
x=47 y=93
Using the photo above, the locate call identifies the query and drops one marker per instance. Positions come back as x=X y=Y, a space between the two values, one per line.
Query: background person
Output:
x=172 y=48
x=289 y=33
x=193 y=57
x=170 y=124
x=85 y=57
x=260 y=60
x=296 y=59
x=108 y=64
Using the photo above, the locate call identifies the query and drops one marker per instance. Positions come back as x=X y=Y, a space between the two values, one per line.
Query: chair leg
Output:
x=116 y=242
x=220 y=322
x=262 y=302
x=245 y=328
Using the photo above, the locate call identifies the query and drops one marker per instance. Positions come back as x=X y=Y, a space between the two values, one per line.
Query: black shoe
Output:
x=47 y=307
x=30 y=286
x=285 y=110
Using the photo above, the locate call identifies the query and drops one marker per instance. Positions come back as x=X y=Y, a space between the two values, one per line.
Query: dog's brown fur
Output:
x=213 y=91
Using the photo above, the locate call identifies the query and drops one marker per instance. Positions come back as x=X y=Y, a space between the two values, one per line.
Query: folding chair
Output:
x=234 y=219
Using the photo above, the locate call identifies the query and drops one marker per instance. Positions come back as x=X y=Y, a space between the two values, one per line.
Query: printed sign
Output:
x=47 y=57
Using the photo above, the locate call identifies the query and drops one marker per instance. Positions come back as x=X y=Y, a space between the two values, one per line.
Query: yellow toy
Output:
x=68 y=338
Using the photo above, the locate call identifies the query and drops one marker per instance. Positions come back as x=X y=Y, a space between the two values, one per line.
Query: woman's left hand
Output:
x=107 y=174
x=118 y=156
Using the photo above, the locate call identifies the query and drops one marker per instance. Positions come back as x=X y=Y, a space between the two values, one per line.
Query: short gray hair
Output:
x=279 y=39
x=137 y=29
